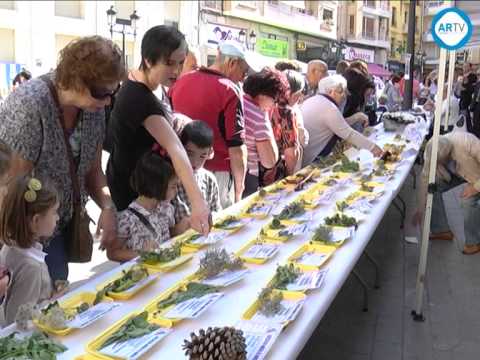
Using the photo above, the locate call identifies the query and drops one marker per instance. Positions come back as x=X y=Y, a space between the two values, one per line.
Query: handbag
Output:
x=79 y=241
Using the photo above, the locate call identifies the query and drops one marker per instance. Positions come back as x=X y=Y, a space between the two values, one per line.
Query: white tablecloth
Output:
x=229 y=309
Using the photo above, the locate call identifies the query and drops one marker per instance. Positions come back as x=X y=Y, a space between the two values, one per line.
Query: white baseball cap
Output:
x=237 y=50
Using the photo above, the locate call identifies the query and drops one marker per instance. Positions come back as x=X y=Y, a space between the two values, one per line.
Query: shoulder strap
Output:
x=144 y=220
x=73 y=172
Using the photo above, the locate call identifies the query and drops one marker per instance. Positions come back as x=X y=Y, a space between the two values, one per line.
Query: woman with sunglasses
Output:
x=139 y=121
x=56 y=123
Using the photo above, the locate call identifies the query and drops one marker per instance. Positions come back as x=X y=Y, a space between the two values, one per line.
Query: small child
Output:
x=197 y=138
x=28 y=215
x=5 y=160
x=148 y=221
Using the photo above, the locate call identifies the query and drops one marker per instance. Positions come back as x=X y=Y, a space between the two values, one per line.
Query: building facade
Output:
x=303 y=30
x=399 y=33
x=32 y=33
x=365 y=28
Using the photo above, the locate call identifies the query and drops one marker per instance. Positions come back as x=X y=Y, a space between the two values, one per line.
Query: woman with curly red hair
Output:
x=262 y=91
x=55 y=125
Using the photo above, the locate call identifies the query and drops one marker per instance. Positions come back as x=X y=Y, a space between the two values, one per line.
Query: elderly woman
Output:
x=262 y=90
x=57 y=122
x=326 y=124
x=139 y=121
x=458 y=163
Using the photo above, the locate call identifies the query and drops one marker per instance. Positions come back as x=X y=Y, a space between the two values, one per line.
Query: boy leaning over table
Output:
x=197 y=138
x=458 y=163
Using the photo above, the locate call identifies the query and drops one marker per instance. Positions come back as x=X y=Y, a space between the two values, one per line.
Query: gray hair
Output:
x=332 y=82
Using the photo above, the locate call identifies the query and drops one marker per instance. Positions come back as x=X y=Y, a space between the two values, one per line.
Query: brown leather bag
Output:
x=79 y=241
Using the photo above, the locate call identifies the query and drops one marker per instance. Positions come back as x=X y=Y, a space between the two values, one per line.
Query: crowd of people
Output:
x=185 y=141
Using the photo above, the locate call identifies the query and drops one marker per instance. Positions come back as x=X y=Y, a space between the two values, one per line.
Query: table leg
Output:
x=414 y=175
x=400 y=211
x=364 y=286
x=377 y=269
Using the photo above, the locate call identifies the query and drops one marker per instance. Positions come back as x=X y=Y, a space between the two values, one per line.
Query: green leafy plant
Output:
x=37 y=346
x=192 y=290
x=162 y=255
x=347 y=166
x=292 y=210
x=270 y=302
x=276 y=224
x=285 y=275
x=215 y=260
x=193 y=237
x=341 y=220
x=128 y=279
x=342 y=205
x=133 y=328
x=322 y=234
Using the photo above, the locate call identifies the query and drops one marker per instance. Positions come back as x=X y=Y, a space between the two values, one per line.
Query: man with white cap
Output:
x=212 y=95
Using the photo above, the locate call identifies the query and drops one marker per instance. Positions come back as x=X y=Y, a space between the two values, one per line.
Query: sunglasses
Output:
x=100 y=93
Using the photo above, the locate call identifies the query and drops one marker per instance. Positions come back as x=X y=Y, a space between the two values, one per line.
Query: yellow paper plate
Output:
x=287 y=295
x=72 y=302
x=93 y=346
x=325 y=250
x=240 y=253
x=168 y=266
x=87 y=357
x=127 y=294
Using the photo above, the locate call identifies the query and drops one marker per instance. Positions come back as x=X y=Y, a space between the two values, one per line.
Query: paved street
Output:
x=386 y=332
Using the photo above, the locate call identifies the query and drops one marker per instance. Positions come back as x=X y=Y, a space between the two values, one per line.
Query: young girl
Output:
x=149 y=220
x=28 y=215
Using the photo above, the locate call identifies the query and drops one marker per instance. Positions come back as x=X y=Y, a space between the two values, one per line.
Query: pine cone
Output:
x=225 y=343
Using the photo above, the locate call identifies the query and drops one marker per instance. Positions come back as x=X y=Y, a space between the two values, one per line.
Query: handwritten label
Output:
x=308 y=280
x=133 y=349
x=289 y=311
x=92 y=314
x=259 y=338
x=210 y=239
x=326 y=197
x=295 y=230
x=312 y=258
x=192 y=308
x=261 y=251
x=226 y=278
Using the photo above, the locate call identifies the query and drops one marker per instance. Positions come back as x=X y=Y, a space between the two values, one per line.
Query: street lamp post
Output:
x=113 y=21
x=250 y=42
x=253 y=39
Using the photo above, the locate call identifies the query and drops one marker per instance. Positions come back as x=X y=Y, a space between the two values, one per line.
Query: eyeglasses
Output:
x=100 y=93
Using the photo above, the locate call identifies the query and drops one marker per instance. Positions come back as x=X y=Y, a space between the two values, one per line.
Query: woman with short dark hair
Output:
x=262 y=91
x=139 y=120
x=55 y=126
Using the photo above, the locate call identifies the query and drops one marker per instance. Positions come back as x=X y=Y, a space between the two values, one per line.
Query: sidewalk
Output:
x=387 y=332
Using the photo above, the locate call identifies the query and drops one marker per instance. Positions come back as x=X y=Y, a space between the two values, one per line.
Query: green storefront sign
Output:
x=273 y=48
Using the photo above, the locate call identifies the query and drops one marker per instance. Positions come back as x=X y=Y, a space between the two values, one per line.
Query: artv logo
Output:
x=451 y=28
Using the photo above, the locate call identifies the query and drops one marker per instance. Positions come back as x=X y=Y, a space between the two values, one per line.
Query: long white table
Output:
x=229 y=309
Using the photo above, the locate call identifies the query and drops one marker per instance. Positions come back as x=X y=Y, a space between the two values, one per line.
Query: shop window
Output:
x=71 y=9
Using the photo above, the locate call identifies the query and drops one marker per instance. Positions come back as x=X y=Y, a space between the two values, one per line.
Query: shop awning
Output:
x=377 y=70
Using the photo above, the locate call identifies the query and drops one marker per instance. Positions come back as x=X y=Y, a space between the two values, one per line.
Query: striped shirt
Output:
x=257 y=128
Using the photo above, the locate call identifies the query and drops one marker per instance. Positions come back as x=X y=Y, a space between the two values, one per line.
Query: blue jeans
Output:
x=56 y=259
x=471 y=212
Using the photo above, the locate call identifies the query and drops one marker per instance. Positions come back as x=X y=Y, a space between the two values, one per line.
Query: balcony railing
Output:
x=369 y=3
x=435 y=3
x=368 y=35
